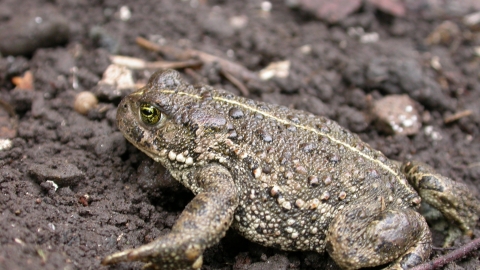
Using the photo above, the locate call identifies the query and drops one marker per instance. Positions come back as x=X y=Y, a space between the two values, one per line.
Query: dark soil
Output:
x=108 y=198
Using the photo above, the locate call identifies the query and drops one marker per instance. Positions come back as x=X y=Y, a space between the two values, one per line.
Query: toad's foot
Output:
x=203 y=223
x=453 y=199
x=364 y=237
x=164 y=253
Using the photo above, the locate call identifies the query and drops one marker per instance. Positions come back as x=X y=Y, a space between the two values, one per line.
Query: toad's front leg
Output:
x=202 y=224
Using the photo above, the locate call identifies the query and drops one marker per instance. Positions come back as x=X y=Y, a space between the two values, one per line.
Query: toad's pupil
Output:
x=147 y=112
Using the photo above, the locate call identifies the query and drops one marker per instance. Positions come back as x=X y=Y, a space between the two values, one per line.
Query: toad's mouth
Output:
x=153 y=154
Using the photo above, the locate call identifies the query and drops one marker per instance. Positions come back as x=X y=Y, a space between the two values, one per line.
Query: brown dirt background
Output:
x=113 y=202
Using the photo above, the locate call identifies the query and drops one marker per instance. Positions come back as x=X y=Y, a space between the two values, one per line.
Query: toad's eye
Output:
x=150 y=114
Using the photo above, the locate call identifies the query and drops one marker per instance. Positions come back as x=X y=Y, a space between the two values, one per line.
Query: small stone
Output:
x=393 y=7
x=58 y=171
x=109 y=145
x=279 y=69
x=39 y=28
x=5 y=144
x=84 y=102
x=397 y=114
x=330 y=11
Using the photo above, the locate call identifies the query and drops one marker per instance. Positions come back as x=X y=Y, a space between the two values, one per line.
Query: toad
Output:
x=282 y=178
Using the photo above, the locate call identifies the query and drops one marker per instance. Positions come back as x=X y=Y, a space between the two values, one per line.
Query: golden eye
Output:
x=150 y=114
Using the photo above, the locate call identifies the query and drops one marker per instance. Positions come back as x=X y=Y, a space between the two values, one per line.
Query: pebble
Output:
x=25 y=33
x=109 y=145
x=58 y=171
x=397 y=114
x=84 y=102
x=330 y=11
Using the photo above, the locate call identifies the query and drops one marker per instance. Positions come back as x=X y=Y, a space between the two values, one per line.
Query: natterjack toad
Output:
x=283 y=178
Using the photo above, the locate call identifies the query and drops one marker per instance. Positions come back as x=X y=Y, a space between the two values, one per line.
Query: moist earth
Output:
x=73 y=190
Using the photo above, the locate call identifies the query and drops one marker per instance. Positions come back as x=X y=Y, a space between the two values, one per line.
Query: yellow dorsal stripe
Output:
x=283 y=121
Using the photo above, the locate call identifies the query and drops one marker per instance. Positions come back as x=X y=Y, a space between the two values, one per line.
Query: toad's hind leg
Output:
x=362 y=237
x=203 y=222
x=453 y=199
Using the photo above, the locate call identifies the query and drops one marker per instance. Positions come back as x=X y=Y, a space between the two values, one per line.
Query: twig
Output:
x=443 y=249
x=456 y=116
x=137 y=63
x=194 y=75
x=450 y=257
x=243 y=89
x=473 y=165
x=227 y=66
